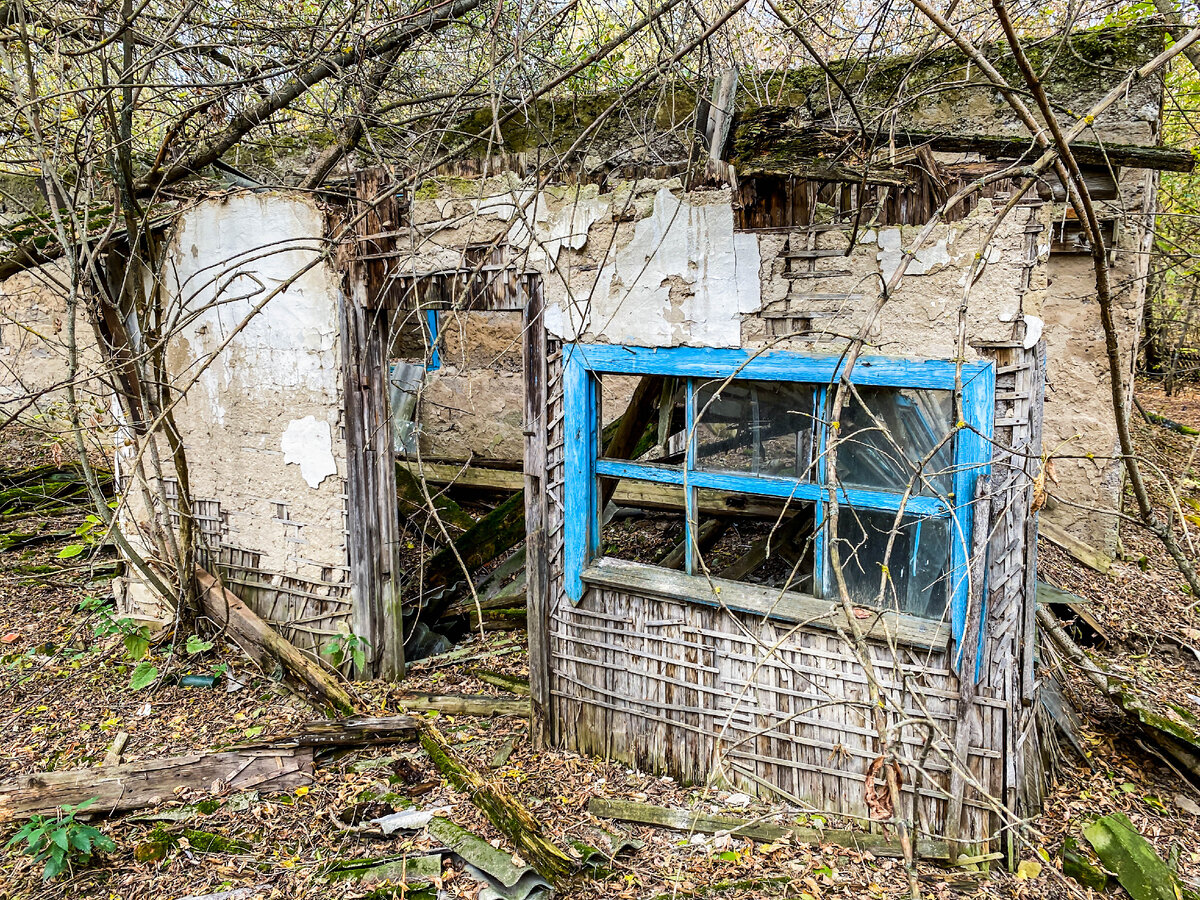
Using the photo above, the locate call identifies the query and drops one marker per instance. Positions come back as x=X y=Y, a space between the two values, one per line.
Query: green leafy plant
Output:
x=88 y=534
x=345 y=646
x=61 y=842
x=135 y=637
x=195 y=644
x=144 y=674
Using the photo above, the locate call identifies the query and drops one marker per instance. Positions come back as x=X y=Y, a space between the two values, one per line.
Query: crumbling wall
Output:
x=257 y=306
x=34 y=349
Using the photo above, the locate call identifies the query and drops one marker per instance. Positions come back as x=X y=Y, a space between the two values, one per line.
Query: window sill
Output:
x=652 y=581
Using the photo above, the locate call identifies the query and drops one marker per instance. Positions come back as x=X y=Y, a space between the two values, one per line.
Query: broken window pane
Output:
x=755 y=427
x=662 y=434
x=764 y=542
x=881 y=444
x=918 y=564
x=644 y=522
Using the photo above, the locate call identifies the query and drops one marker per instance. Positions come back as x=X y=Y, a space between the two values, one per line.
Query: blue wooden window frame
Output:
x=583 y=464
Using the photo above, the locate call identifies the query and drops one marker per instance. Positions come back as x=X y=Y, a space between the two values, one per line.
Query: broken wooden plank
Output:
x=145 y=783
x=115 y=749
x=509 y=816
x=688 y=821
x=354 y=731
x=631 y=494
x=413 y=502
x=1082 y=552
x=466 y=704
x=1049 y=595
x=465 y=477
x=262 y=643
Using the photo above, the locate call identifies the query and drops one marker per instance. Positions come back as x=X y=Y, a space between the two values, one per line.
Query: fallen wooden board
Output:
x=466 y=704
x=686 y=820
x=145 y=783
x=1049 y=595
x=355 y=731
x=262 y=643
x=1084 y=553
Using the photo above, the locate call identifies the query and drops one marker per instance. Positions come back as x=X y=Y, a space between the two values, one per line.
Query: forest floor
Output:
x=64 y=695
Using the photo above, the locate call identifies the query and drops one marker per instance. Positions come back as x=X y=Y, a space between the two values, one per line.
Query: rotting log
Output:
x=710 y=532
x=688 y=821
x=355 y=731
x=146 y=783
x=510 y=683
x=1163 y=422
x=466 y=704
x=413 y=503
x=263 y=644
x=507 y=814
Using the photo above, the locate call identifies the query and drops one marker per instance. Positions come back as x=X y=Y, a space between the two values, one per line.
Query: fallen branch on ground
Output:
x=509 y=816
x=1173 y=730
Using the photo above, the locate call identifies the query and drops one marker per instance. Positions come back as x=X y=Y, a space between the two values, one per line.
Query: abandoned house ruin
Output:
x=648 y=339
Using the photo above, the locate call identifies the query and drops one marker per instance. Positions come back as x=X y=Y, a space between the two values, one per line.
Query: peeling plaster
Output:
x=685 y=277
x=228 y=256
x=925 y=260
x=546 y=224
x=309 y=443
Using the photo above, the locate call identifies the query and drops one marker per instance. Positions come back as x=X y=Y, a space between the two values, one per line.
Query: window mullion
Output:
x=820 y=574
x=689 y=490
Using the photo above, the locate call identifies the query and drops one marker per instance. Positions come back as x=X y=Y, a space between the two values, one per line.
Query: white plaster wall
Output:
x=261 y=423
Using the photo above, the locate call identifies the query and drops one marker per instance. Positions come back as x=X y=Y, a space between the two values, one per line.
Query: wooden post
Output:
x=372 y=520
x=536 y=550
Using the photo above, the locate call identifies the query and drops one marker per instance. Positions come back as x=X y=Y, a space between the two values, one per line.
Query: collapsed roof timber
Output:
x=646 y=355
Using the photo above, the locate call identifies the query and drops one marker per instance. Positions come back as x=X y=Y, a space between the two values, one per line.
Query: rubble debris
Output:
x=506 y=879
x=691 y=821
x=509 y=816
x=1173 y=730
x=261 y=643
x=137 y=785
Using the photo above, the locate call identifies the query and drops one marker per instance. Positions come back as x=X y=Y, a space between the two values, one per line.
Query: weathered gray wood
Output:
x=373 y=528
x=145 y=783
x=1049 y=595
x=789 y=606
x=1082 y=552
x=537 y=574
x=353 y=731
x=688 y=821
x=115 y=749
x=969 y=728
x=466 y=704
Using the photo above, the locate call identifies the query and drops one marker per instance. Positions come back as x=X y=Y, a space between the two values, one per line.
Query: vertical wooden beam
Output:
x=372 y=519
x=536 y=539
